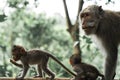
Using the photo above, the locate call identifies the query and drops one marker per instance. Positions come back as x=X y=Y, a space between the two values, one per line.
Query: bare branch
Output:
x=67 y=15
x=81 y=2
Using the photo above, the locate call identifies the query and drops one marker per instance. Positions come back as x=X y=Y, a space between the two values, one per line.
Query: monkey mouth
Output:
x=87 y=28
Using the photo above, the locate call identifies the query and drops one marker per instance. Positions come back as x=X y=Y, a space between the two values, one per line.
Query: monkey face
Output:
x=16 y=57
x=90 y=18
x=17 y=52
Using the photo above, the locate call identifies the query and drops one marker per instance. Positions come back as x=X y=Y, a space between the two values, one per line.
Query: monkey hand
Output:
x=12 y=61
x=38 y=76
x=19 y=76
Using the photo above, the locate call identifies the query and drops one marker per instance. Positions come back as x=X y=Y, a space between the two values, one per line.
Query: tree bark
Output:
x=73 y=29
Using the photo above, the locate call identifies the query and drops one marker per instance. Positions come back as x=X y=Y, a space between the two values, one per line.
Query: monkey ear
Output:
x=100 y=10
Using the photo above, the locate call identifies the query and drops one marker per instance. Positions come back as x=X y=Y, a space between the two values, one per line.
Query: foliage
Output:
x=24 y=27
x=2 y=17
x=90 y=52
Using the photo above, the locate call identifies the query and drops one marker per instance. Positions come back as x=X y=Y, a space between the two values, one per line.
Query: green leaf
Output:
x=26 y=3
x=2 y=17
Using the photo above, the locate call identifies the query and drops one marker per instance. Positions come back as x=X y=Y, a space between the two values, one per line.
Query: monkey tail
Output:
x=55 y=59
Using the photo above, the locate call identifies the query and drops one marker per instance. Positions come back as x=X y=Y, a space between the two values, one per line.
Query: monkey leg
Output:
x=25 y=69
x=39 y=69
x=110 y=65
x=114 y=75
x=49 y=72
x=46 y=69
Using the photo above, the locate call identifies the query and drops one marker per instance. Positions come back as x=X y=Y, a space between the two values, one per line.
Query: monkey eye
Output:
x=81 y=15
x=85 y=15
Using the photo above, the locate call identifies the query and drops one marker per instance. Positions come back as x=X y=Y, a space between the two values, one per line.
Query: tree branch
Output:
x=81 y=2
x=67 y=15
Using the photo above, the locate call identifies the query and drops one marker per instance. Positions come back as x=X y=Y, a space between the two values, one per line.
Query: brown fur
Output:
x=84 y=71
x=32 y=57
x=105 y=26
x=75 y=59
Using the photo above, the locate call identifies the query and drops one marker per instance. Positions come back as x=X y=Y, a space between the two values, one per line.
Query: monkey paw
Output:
x=38 y=76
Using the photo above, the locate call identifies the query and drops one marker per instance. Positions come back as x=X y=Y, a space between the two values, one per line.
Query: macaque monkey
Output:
x=38 y=57
x=75 y=59
x=104 y=27
x=84 y=71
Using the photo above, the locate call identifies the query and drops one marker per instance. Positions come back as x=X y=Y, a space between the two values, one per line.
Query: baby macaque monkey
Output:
x=32 y=57
x=84 y=71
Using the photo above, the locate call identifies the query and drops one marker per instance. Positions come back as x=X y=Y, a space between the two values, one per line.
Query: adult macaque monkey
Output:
x=104 y=26
x=31 y=57
x=84 y=71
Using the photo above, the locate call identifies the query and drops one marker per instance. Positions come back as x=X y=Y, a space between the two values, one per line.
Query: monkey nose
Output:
x=83 y=23
x=83 y=27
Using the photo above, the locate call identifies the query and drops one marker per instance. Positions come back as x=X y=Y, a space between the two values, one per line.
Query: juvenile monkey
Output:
x=104 y=27
x=84 y=71
x=32 y=57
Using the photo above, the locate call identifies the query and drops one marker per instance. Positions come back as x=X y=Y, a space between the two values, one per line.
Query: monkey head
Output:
x=17 y=52
x=75 y=59
x=90 y=18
